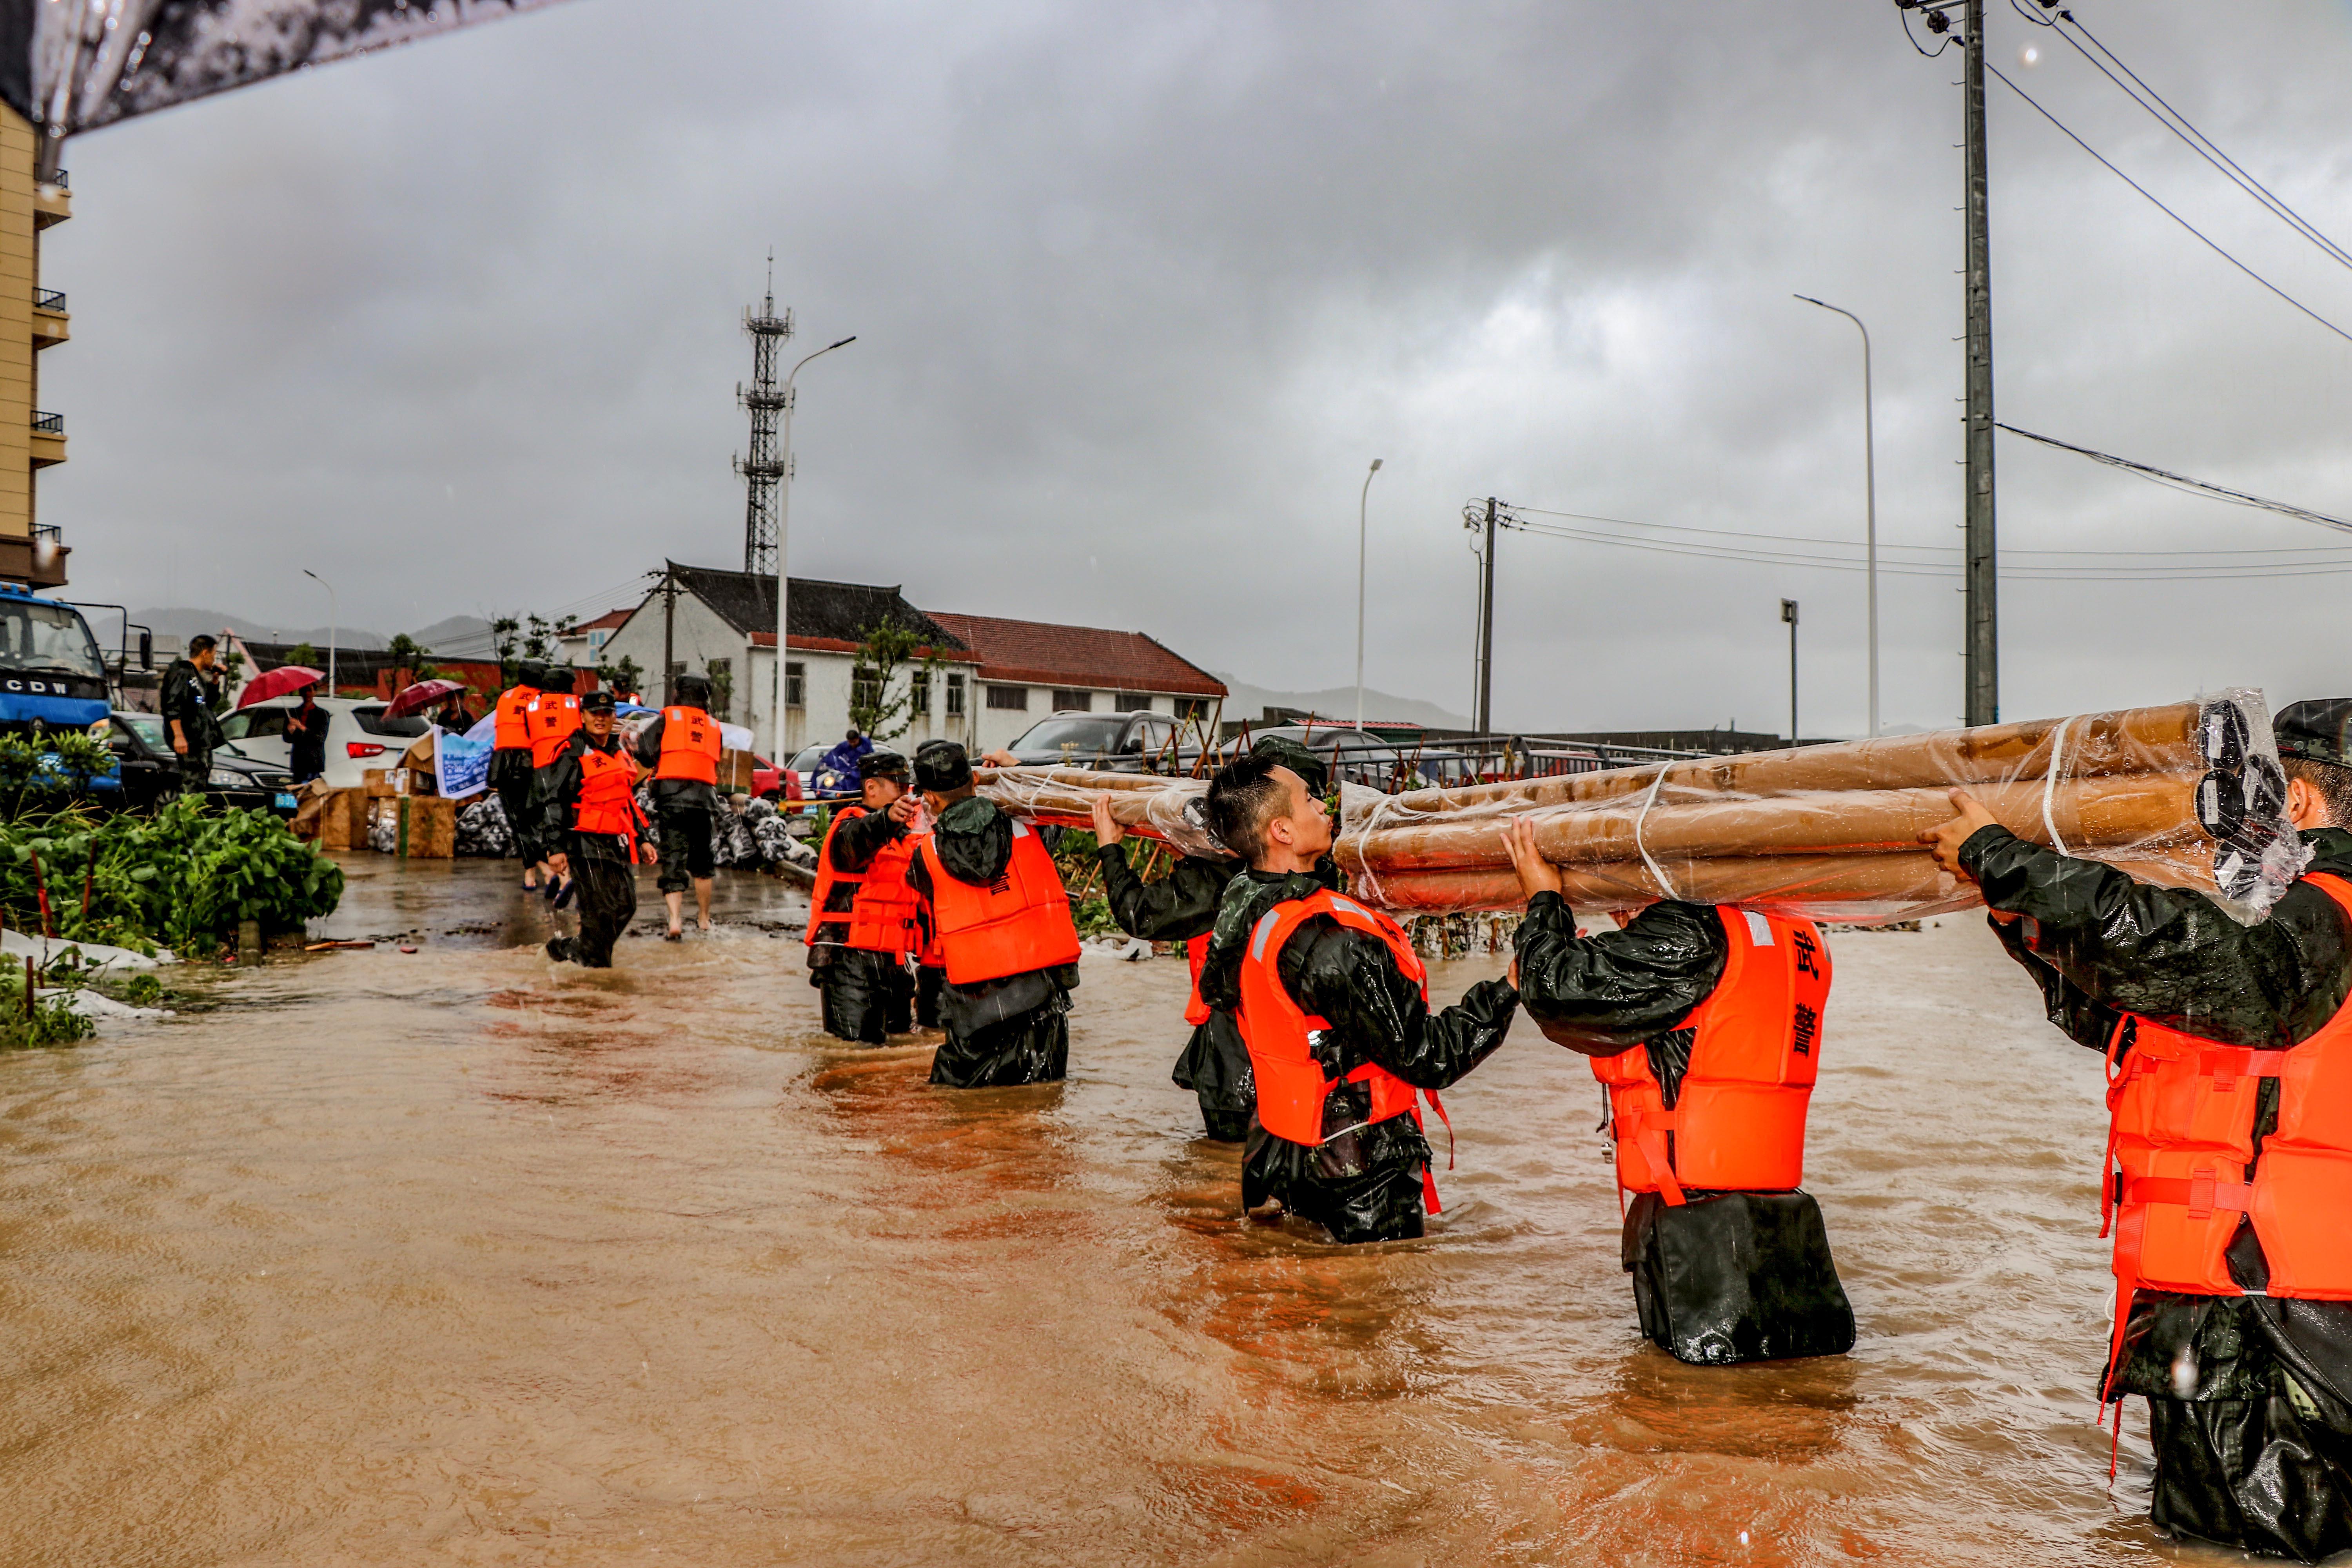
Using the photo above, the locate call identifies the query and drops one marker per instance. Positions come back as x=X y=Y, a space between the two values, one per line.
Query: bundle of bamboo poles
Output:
x=2175 y=795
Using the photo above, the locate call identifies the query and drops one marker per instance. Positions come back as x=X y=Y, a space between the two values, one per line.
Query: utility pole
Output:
x=1983 y=705
x=1789 y=613
x=669 y=631
x=1981 y=638
x=1486 y=628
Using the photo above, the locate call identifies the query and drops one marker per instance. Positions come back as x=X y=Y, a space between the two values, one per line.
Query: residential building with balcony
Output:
x=32 y=318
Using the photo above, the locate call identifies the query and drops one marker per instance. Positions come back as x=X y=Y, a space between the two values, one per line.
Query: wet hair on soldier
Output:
x=1242 y=798
x=2314 y=747
x=558 y=679
x=202 y=642
x=2331 y=782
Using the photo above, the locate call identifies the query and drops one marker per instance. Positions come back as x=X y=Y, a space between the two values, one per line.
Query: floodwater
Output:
x=458 y=1257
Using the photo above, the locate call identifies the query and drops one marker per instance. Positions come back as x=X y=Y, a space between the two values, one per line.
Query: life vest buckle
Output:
x=2200 y=1194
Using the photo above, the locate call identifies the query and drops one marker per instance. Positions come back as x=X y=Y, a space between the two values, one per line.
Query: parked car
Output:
x=1352 y=756
x=358 y=736
x=147 y=771
x=1121 y=742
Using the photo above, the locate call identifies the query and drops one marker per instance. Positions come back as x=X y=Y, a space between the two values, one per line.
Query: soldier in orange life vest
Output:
x=590 y=814
x=550 y=720
x=1704 y=1026
x=862 y=914
x=2228 y=1177
x=1334 y=1008
x=512 y=771
x=682 y=746
x=1004 y=928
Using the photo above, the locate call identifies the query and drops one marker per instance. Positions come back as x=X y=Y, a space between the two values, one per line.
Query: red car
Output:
x=769 y=781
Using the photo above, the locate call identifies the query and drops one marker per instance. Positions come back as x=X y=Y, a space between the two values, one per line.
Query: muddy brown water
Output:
x=458 y=1257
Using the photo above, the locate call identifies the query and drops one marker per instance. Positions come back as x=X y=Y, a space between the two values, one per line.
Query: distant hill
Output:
x=459 y=637
x=185 y=624
x=1247 y=701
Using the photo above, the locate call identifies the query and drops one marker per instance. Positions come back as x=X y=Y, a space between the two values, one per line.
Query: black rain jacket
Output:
x=1182 y=905
x=559 y=802
x=1005 y=1031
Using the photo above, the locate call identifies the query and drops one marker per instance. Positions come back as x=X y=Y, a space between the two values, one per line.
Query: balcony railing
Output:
x=49 y=299
x=48 y=423
x=49 y=533
x=58 y=179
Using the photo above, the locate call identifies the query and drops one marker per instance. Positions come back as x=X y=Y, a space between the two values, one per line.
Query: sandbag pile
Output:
x=2186 y=795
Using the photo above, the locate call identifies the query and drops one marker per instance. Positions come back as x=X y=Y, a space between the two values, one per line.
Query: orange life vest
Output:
x=882 y=914
x=2182 y=1169
x=1738 y=1121
x=689 y=746
x=1291 y=1085
x=1196 y=1012
x=828 y=879
x=513 y=734
x=552 y=717
x=608 y=796
x=1017 y=923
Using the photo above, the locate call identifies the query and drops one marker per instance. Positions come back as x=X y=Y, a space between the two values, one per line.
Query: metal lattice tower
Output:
x=763 y=469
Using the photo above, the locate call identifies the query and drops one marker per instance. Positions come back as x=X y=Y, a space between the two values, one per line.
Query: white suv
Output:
x=359 y=737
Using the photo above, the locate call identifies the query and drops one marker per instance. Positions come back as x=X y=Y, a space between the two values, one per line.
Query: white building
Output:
x=985 y=680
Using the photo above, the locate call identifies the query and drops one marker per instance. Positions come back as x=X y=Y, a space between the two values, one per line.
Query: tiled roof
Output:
x=1037 y=653
x=608 y=621
x=826 y=612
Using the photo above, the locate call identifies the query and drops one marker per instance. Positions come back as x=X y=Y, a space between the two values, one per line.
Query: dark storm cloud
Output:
x=1140 y=289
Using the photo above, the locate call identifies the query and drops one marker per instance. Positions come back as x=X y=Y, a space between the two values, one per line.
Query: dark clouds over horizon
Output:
x=1140 y=291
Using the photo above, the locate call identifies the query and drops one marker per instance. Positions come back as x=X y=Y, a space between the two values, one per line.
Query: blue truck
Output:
x=51 y=673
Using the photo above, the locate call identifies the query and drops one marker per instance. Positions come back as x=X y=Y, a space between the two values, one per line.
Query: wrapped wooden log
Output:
x=2096 y=812
x=1861 y=888
x=1144 y=803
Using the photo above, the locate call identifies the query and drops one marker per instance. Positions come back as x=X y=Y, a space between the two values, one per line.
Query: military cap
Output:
x=597 y=701
x=2317 y=730
x=942 y=766
x=883 y=765
x=1284 y=751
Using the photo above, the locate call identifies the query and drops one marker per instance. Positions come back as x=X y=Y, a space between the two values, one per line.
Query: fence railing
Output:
x=49 y=299
x=48 y=423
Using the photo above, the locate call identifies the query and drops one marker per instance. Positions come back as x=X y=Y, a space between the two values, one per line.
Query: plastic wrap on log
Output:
x=2190 y=795
x=1163 y=808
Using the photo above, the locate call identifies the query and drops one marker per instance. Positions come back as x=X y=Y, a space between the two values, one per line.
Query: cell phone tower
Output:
x=763 y=469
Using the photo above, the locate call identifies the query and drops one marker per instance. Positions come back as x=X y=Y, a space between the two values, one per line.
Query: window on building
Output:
x=1132 y=703
x=1194 y=707
x=865 y=692
x=796 y=683
x=1069 y=701
x=955 y=696
x=919 y=692
x=1009 y=699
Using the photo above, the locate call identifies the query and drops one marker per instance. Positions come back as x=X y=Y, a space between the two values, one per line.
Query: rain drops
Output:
x=2029 y=57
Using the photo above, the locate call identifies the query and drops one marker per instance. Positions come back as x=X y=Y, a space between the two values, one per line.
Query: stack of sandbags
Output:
x=2186 y=795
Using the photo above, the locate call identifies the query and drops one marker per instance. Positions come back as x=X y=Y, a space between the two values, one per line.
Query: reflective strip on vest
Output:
x=824 y=925
x=883 y=913
x=689 y=746
x=1018 y=923
x=513 y=730
x=2181 y=1172
x=1737 y=1123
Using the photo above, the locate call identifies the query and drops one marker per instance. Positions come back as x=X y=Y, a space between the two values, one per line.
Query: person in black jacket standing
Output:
x=2248 y=1378
x=190 y=689
x=862 y=869
x=684 y=805
x=1182 y=907
x=306 y=737
x=1336 y=1016
x=590 y=818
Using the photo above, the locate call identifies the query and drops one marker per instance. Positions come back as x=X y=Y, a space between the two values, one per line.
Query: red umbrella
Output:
x=423 y=695
x=277 y=682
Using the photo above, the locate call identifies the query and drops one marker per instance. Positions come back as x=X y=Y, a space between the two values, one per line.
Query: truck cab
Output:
x=50 y=670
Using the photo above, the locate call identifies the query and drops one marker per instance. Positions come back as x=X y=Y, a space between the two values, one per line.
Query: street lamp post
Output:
x=1362 y=497
x=1789 y=613
x=1870 y=498
x=783 y=531
x=334 y=624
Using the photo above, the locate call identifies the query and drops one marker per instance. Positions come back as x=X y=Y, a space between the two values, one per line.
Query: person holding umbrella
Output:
x=306 y=737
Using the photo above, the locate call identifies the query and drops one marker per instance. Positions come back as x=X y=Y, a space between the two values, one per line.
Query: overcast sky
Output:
x=1140 y=289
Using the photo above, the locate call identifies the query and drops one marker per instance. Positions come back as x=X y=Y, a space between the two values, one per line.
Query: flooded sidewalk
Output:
x=462 y=1257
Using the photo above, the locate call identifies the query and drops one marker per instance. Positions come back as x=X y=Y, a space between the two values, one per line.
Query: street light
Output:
x=783 y=531
x=334 y=624
x=1870 y=502
x=1789 y=613
x=1361 y=498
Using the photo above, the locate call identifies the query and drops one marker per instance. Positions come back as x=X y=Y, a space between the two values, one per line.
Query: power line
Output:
x=2172 y=119
x=2182 y=482
x=2167 y=211
x=2322 y=554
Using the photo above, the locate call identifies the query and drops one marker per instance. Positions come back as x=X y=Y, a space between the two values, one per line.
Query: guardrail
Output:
x=49 y=299
x=48 y=423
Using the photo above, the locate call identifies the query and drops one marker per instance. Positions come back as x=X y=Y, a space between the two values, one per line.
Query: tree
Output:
x=303 y=654
x=883 y=649
x=232 y=668
x=405 y=652
x=624 y=678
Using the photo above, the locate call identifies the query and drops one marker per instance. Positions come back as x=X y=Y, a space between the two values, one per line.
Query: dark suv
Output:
x=1121 y=742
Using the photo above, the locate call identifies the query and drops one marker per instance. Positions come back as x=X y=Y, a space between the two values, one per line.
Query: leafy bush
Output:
x=182 y=877
x=51 y=1023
